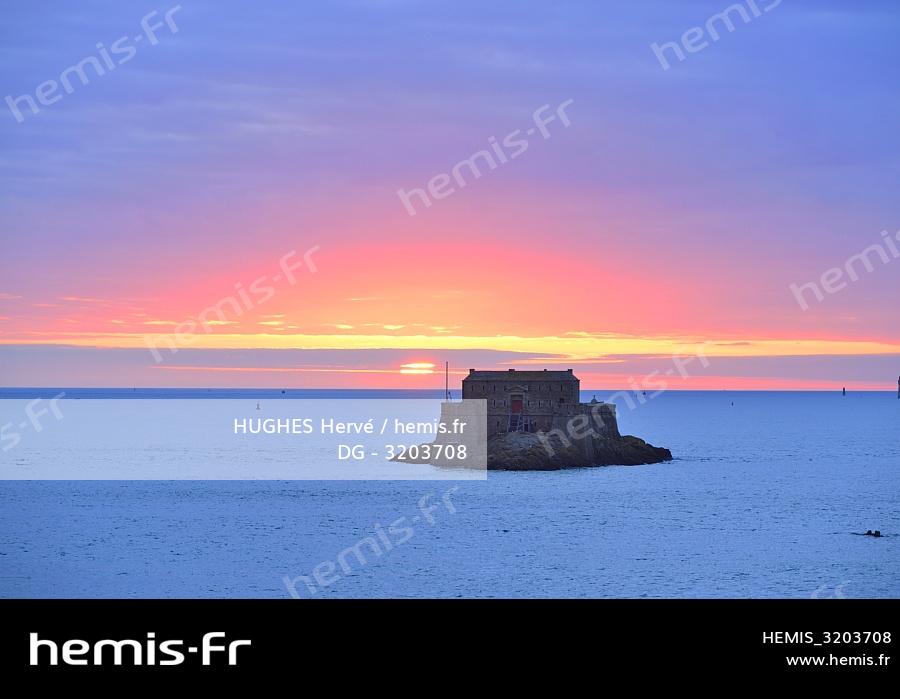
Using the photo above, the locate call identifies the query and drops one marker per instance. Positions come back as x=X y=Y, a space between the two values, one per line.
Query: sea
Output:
x=769 y=495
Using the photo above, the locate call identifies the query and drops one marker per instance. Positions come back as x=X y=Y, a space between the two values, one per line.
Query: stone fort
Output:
x=536 y=401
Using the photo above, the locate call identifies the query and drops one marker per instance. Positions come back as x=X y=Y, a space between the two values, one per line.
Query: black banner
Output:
x=246 y=639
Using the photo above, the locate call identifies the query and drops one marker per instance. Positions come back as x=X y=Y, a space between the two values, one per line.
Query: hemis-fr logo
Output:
x=213 y=649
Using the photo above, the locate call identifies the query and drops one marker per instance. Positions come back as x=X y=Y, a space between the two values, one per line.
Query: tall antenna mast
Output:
x=447 y=381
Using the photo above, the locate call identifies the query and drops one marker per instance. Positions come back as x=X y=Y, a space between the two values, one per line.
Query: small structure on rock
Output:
x=536 y=401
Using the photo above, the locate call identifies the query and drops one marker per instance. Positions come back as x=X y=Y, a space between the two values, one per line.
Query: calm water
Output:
x=765 y=499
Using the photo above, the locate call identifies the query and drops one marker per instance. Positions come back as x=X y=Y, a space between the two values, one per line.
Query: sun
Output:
x=417 y=368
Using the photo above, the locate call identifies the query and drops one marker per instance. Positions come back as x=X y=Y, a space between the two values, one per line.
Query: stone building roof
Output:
x=516 y=375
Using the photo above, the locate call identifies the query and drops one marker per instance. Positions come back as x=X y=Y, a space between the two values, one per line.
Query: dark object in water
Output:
x=876 y=533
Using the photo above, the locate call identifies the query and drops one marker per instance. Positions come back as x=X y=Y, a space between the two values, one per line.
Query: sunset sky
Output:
x=669 y=217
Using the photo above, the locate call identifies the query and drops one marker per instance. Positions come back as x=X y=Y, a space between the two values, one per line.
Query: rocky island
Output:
x=535 y=421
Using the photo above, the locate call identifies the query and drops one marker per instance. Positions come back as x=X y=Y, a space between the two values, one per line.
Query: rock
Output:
x=525 y=451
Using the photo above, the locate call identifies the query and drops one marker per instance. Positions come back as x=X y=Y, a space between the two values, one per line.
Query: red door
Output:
x=515 y=404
